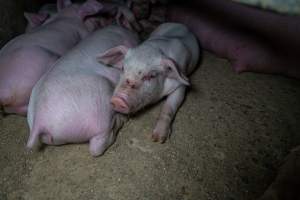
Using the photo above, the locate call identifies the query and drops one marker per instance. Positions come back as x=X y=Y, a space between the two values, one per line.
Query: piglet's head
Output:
x=65 y=8
x=88 y=8
x=35 y=19
x=84 y=11
x=145 y=73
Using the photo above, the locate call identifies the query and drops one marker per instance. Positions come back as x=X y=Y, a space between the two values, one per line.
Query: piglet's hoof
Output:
x=160 y=136
x=157 y=138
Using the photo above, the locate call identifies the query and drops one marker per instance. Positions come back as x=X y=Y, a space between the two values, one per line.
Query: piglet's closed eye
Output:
x=171 y=69
x=151 y=75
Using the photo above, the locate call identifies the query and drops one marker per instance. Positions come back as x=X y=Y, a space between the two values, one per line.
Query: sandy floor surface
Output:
x=228 y=140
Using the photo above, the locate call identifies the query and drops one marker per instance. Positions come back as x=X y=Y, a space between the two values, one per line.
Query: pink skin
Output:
x=26 y=58
x=153 y=70
x=36 y=19
x=282 y=29
x=48 y=11
x=71 y=102
x=121 y=13
x=246 y=52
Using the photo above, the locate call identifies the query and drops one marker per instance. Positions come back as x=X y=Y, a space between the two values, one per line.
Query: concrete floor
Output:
x=228 y=140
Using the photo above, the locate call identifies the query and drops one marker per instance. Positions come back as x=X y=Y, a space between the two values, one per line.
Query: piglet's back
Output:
x=104 y=39
x=179 y=39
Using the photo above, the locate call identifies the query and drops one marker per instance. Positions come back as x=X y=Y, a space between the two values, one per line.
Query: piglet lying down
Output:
x=26 y=58
x=153 y=70
x=71 y=103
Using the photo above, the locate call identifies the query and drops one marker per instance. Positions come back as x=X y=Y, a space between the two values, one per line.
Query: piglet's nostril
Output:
x=130 y=83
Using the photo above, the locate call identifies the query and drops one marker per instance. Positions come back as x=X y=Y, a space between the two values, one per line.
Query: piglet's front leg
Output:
x=162 y=129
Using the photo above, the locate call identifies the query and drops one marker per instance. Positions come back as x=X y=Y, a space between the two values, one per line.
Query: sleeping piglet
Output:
x=71 y=102
x=27 y=57
x=153 y=70
x=110 y=12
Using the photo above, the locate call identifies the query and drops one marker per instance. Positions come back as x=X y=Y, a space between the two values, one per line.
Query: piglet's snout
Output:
x=119 y=104
x=121 y=99
x=130 y=84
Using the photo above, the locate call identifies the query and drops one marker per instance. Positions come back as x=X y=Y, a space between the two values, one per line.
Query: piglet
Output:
x=153 y=70
x=71 y=102
x=247 y=52
x=111 y=12
x=26 y=58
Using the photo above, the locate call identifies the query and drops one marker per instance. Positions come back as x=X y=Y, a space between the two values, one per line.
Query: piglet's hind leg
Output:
x=100 y=142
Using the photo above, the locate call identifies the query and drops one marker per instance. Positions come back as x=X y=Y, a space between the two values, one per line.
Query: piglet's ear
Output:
x=114 y=56
x=61 y=4
x=172 y=71
x=35 y=19
x=90 y=7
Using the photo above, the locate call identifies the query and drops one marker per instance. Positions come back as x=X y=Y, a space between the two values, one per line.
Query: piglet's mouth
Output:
x=120 y=104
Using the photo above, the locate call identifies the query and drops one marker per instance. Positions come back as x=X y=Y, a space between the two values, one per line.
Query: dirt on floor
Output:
x=228 y=140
